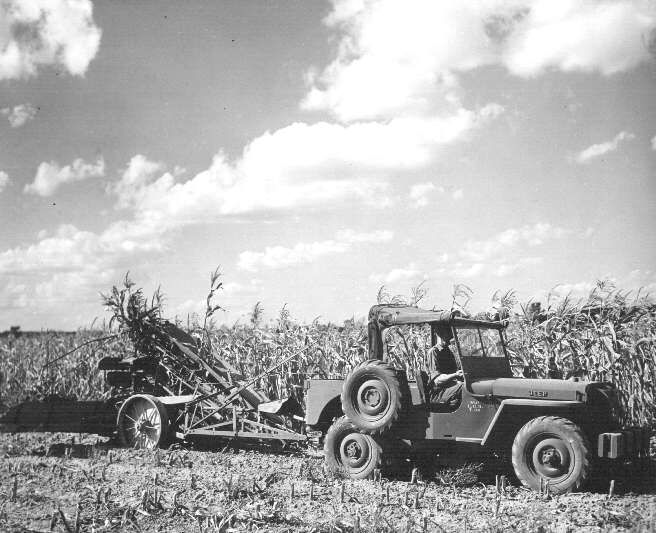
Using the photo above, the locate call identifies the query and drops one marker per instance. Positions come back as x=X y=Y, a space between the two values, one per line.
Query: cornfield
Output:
x=610 y=335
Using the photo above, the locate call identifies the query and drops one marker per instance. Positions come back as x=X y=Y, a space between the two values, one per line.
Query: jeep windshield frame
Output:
x=383 y=316
x=483 y=345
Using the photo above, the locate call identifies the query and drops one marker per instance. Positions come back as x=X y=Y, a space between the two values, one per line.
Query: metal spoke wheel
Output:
x=142 y=422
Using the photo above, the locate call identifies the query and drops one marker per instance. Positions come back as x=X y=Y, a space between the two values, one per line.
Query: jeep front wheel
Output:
x=371 y=396
x=350 y=453
x=554 y=450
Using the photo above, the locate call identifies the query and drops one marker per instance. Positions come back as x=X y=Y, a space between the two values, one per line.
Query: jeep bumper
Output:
x=629 y=443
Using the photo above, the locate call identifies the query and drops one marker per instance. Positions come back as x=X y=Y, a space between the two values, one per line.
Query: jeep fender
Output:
x=512 y=414
x=322 y=401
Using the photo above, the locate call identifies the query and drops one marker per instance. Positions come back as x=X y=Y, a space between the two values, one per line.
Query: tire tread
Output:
x=565 y=424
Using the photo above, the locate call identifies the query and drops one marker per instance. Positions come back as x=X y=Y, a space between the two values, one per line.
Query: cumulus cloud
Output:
x=296 y=166
x=70 y=266
x=404 y=56
x=500 y=243
x=421 y=194
x=424 y=193
x=72 y=249
x=37 y=33
x=501 y=254
x=19 y=115
x=597 y=150
x=234 y=287
x=4 y=180
x=303 y=252
x=50 y=176
x=396 y=275
x=506 y=269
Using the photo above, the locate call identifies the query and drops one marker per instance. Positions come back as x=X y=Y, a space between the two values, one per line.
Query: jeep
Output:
x=554 y=431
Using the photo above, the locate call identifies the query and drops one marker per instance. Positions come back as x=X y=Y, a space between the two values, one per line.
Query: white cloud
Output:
x=403 y=56
x=20 y=114
x=36 y=33
x=50 y=176
x=136 y=178
x=421 y=193
x=573 y=290
x=597 y=150
x=72 y=249
x=297 y=166
x=466 y=271
x=4 y=180
x=234 y=287
x=302 y=252
x=71 y=266
x=502 y=242
x=653 y=143
x=506 y=269
x=407 y=273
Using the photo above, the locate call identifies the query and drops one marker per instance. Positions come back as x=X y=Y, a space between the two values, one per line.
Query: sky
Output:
x=315 y=151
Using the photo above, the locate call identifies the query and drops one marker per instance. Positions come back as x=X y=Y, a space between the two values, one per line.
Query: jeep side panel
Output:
x=467 y=423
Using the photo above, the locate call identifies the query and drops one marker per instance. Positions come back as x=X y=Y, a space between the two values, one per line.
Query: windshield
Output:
x=480 y=342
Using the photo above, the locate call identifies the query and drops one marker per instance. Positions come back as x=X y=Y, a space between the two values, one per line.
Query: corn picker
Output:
x=180 y=394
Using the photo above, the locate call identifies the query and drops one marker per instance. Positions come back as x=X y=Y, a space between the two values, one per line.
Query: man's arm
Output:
x=443 y=378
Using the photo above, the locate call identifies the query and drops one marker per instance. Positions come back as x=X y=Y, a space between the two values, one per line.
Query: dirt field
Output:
x=47 y=484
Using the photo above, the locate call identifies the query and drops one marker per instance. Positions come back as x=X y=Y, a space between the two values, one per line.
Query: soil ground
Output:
x=50 y=483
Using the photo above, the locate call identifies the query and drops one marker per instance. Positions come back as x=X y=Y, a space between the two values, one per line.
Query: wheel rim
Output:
x=141 y=424
x=551 y=457
x=372 y=399
x=355 y=452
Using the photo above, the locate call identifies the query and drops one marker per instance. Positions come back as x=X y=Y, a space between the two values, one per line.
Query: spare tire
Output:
x=371 y=396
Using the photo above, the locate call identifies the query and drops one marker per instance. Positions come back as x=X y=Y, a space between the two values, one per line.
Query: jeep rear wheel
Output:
x=554 y=450
x=371 y=396
x=350 y=453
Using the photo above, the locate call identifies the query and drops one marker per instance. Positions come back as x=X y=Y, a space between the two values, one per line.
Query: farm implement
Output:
x=170 y=392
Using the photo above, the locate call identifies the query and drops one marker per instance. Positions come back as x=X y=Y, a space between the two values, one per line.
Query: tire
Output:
x=554 y=449
x=371 y=396
x=349 y=453
x=143 y=422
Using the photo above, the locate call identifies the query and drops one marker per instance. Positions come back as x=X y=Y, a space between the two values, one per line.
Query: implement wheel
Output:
x=553 y=449
x=371 y=396
x=143 y=422
x=350 y=453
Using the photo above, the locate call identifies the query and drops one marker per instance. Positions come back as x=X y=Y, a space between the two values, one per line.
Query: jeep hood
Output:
x=535 y=389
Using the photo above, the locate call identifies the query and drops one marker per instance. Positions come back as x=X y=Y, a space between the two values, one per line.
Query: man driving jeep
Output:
x=445 y=384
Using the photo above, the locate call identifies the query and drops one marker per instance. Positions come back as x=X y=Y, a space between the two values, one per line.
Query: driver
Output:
x=445 y=385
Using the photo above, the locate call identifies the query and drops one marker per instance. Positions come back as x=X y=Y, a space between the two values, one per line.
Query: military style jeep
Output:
x=555 y=431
